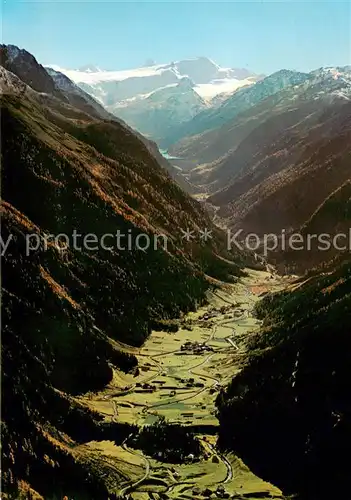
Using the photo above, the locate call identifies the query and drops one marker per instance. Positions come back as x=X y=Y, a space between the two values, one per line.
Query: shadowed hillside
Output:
x=288 y=412
x=68 y=311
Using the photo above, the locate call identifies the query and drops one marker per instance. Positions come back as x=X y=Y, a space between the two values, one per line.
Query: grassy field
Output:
x=184 y=387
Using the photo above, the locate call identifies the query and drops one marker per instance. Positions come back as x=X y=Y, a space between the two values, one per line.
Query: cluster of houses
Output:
x=145 y=387
x=191 y=383
x=215 y=311
x=196 y=347
x=161 y=384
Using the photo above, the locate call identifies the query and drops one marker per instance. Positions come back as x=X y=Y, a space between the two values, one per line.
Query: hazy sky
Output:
x=263 y=36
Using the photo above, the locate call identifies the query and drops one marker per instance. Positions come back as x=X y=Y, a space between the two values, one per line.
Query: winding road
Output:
x=134 y=484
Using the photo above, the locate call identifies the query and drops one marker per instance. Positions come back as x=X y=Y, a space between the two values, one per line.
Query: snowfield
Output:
x=209 y=78
x=92 y=78
x=158 y=97
x=224 y=86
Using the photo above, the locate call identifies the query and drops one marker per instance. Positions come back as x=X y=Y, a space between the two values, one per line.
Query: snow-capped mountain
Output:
x=152 y=97
x=333 y=81
x=110 y=87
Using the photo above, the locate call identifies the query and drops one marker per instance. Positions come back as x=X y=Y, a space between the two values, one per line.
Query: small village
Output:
x=196 y=347
x=187 y=383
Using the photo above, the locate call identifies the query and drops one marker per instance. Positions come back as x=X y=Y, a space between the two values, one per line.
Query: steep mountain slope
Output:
x=69 y=297
x=47 y=81
x=288 y=412
x=24 y=64
x=241 y=100
x=331 y=222
x=76 y=96
x=278 y=143
x=288 y=170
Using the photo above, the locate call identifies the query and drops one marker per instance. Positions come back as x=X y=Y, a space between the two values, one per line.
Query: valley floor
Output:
x=180 y=381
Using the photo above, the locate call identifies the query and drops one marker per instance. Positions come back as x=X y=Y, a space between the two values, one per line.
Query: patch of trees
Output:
x=166 y=325
x=168 y=442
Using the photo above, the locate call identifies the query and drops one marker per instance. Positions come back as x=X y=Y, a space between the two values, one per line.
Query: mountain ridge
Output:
x=238 y=102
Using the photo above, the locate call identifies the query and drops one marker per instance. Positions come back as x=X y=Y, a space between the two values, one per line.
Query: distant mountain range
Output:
x=111 y=87
x=210 y=134
x=155 y=99
x=241 y=100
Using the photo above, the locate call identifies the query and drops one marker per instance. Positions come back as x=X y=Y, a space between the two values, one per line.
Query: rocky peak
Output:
x=186 y=83
x=26 y=67
x=89 y=68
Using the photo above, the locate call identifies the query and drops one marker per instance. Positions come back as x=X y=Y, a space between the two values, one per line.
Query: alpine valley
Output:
x=193 y=367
